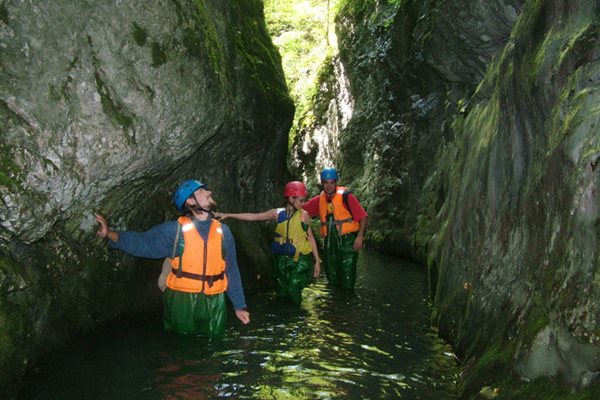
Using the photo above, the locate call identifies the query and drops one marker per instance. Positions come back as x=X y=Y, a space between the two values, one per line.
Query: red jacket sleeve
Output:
x=358 y=212
x=312 y=207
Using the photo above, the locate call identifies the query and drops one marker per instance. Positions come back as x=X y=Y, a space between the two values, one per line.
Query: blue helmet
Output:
x=329 y=173
x=185 y=190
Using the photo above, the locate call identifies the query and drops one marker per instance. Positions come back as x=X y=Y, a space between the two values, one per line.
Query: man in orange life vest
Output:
x=204 y=268
x=343 y=224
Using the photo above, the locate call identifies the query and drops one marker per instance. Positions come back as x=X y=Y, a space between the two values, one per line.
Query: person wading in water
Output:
x=201 y=251
x=343 y=224
x=294 y=244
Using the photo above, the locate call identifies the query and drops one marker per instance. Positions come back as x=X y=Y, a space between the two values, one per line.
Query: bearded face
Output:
x=212 y=204
x=201 y=199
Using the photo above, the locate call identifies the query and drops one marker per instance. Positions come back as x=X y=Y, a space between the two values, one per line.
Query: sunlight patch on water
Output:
x=376 y=350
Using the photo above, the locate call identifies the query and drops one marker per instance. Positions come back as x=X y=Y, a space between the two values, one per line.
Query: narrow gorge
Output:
x=469 y=129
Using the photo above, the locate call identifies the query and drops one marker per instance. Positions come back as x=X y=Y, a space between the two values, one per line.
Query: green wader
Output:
x=293 y=276
x=194 y=313
x=340 y=259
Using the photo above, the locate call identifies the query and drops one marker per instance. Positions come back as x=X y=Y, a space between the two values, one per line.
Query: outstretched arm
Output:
x=263 y=216
x=313 y=245
x=156 y=242
x=104 y=231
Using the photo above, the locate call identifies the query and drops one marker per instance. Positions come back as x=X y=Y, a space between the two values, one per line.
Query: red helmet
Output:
x=295 y=189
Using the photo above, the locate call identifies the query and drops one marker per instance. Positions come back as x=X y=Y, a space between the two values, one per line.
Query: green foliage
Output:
x=381 y=15
x=300 y=31
x=352 y=8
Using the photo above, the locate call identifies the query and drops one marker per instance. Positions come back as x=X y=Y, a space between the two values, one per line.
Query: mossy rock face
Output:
x=387 y=100
x=520 y=208
x=106 y=107
x=469 y=132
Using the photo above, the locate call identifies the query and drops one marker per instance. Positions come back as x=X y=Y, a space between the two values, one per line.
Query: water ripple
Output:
x=375 y=343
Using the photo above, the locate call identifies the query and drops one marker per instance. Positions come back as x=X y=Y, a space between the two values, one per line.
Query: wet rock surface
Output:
x=473 y=143
x=106 y=107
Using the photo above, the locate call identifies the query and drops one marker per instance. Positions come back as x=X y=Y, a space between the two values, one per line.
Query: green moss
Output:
x=495 y=369
x=54 y=93
x=9 y=171
x=488 y=370
x=319 y=101
x=60 y=93
x=201 y=40
x=380 y=14
x=140 y=36
x=13 y=346
x=353 y=8
x=544 y=389
x=159 y=57
x=535 y=324
x=497 y=356
x=256 y=53
x=192 y=43
x=3 y=14
x=113 y=109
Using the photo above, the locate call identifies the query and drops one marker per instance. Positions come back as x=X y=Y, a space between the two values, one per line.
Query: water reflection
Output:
x=375 y=343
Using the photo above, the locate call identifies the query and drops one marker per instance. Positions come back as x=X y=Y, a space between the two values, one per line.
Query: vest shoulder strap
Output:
x=345 y=200
x=180 y=243
x=176 y=242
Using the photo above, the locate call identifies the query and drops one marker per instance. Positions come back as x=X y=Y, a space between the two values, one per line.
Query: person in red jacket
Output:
x=343 y=224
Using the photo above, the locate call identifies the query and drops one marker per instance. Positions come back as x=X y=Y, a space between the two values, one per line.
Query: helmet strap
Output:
x=197 y=208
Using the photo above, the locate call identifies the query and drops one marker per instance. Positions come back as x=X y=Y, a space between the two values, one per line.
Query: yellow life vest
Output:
x=291 y=231
x=202 y=264
x=342 y=218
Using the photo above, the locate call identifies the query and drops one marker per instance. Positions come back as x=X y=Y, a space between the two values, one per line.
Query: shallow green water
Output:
x=373 y=344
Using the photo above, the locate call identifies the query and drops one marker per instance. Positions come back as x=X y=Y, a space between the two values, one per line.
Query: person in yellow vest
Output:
x=201 y=254
x=343 y=224
x=294 y=244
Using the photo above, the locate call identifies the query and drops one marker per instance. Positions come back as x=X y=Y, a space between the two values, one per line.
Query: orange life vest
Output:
x=342 y=218
x=202 y=264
